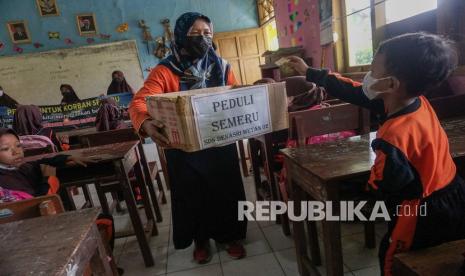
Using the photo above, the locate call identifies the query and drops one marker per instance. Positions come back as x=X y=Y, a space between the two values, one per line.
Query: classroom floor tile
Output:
x=255 y=244
x=351 y=228
x=370 y=271
x=269 y=251
x=119 y=248
x=264 y=224
x=262 y=265
x=356 y=256
x=288 y=262
x=207 y=270
x=133 y=264
x=157 y=241
x=182 y=259
x=275 y=236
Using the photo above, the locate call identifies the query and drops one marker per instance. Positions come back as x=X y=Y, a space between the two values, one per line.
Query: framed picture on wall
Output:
x=86 y=24
x=19 y=33
x=47 y=7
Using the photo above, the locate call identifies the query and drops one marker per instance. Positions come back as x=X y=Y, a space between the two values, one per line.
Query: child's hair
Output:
x=421 y=60
x=4 y=131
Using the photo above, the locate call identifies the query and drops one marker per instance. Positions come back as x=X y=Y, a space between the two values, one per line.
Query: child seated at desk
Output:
x=33 y=178
x=109 y=115
x=28 y=121
x=20 y=180
x=413 y=165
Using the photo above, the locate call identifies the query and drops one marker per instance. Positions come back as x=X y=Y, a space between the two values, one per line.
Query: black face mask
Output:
x=197 y=46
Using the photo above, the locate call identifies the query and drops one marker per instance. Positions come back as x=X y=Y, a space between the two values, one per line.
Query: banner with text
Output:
x=79 y=114
x=224 y=118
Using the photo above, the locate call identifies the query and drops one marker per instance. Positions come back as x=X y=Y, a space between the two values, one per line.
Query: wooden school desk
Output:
x=73 y=134
x=318 y=170
x=115 y=160
x=62 y=244
x=92 y=137
x=444 y=259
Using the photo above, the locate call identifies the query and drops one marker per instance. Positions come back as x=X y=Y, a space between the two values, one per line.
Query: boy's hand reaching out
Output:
x=298 y=64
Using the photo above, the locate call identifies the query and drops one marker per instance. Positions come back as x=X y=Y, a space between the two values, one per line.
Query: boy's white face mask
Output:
x=368 y=84
x=1 y=92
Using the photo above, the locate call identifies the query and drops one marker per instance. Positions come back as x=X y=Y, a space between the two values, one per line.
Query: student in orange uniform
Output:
x=413 y=166
x=34 y=178
x=23 y=180
x=205 y=185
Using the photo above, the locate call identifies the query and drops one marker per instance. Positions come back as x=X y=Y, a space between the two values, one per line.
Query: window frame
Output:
x=345 y=40
x=378 y=19
x=264 y=16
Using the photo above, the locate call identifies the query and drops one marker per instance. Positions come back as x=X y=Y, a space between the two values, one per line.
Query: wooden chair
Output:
x=123 y=135
x=164 y=166
x=44 y=206
x=448 y=107
x=31 y=208
x=150 y=169
x=302 y=124
x=445 y=259
x=336 y=118
x=48 y=149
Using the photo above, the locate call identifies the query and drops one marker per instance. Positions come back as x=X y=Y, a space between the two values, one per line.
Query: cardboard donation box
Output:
x=211 y=117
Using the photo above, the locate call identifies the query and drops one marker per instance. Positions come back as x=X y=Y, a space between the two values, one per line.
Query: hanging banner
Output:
x=77 y=114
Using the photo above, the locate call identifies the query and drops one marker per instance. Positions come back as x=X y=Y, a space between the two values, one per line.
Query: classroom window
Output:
x=265 y=11
x=271 y=35
x=396 y=10
x=359 y=24
x=359 y=46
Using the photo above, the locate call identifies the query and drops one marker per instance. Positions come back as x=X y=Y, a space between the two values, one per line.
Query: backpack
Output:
x=36 y=142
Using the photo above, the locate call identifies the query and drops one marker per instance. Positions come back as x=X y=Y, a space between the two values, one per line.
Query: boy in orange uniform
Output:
x=413 y=165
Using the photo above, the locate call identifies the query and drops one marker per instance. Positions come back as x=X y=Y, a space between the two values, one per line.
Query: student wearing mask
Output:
x=69 y=96
x=413 y=165
x=119 y=84
x=21 y=180
x=205 y=185
x=6 y=100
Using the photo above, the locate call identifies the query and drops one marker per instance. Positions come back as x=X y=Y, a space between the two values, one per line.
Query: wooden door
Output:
x=243 y=50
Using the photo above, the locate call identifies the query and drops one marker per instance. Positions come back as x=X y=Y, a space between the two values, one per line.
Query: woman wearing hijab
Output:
x=28 y=121
x=205 y=185
x=119 y=84
x=108 y=115
x=6 y=100
x=69 y=96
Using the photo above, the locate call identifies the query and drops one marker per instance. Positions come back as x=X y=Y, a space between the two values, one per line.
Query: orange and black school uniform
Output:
x=206 y=185
x=413 y=168
x=28 y=177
